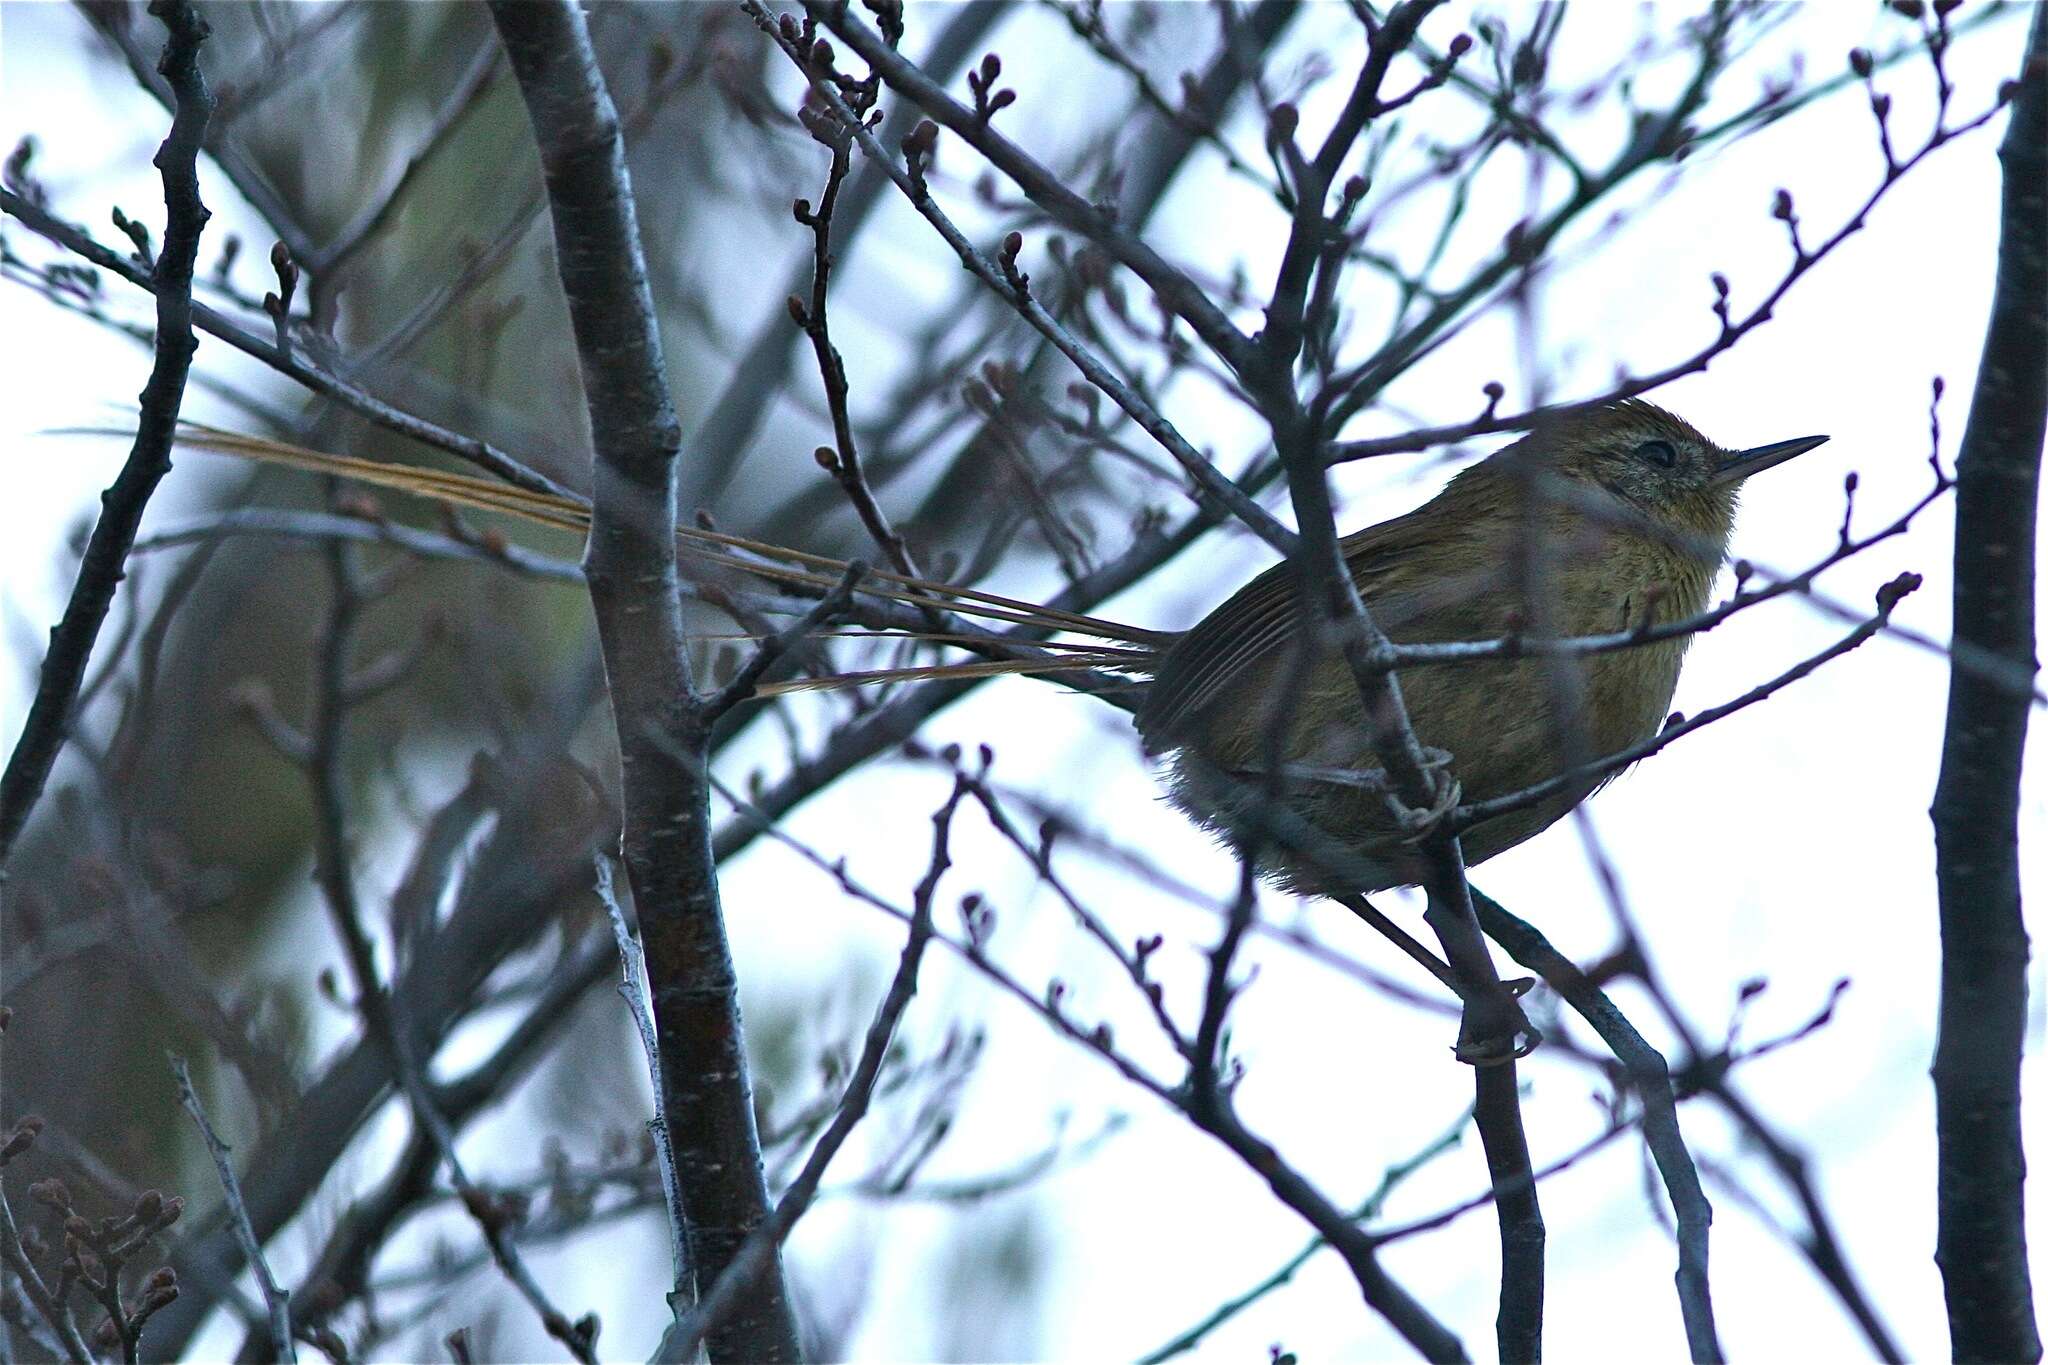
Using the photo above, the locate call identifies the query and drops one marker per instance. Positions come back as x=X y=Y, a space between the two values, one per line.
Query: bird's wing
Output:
x=1265 y=615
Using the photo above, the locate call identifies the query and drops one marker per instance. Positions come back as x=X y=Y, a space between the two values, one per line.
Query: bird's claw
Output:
x=1417 y=822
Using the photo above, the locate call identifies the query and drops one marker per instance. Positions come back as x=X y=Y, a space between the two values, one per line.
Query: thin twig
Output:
x=762 y=1244
x=1477 y=812
x=1651 y=1078
x=1204 y=474
x=149 y=458
x=294 y=365
x=771 y=650
x=54 y=1310
x=276 y=1300
x=1393 y=1176
x=1045 y=189
x=326 y=263
x=633 y=990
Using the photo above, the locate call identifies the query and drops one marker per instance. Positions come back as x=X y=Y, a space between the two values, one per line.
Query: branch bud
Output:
x=921 y=143
x=1890 y=595
x=51 y=1193
x=21 y=1139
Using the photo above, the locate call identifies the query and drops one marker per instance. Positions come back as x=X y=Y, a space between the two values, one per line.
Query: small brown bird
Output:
x=1601 y=522
x=1597 y=522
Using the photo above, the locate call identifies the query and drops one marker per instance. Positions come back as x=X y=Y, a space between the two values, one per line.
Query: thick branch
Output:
x=1981 y=1241
x=663 y=728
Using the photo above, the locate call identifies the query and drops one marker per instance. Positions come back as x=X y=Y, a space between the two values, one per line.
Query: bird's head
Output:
x=1656 y=463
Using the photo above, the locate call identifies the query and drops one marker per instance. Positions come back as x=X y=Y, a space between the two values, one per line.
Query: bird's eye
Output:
x=1660 y=453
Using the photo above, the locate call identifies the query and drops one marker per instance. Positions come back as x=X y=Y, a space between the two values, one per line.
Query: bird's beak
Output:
x=1739 y=465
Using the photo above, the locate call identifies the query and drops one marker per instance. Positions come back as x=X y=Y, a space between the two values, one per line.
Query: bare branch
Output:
x=662 y=725
x=275 y=1299
x=911 y=181
x=296 y=366
x=1888 y=598
x=853 y=1102
x=1095 y=221
x=149 y=458
x=1980 y=1243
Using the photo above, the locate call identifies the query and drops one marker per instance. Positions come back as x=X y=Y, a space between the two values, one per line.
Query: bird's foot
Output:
x=1417 y=822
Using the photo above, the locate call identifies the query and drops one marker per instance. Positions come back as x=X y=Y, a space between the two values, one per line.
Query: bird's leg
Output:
x=1494 y=1030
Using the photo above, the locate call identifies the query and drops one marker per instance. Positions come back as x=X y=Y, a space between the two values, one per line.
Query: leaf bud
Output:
x=51 y=1193
x=21 y=1139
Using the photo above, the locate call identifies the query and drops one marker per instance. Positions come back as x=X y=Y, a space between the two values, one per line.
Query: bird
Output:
x=1605 y=520
x=1599 y=520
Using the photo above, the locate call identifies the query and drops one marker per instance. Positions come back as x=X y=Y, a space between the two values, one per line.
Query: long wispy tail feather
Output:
x=1081 y=661
x=761 y=559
